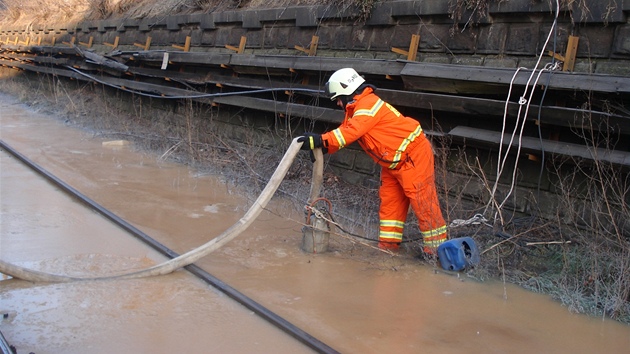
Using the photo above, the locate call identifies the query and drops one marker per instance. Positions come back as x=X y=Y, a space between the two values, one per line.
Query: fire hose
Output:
x=194 y=255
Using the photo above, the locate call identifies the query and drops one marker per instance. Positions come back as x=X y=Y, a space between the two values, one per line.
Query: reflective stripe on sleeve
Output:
x=371 y=112
x=339 y=136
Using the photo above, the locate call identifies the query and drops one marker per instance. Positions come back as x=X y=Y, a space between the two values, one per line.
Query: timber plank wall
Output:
x=509 y=35
x=457 y=84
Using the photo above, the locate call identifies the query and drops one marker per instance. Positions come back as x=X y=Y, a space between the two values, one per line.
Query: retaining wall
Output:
x=507 y=34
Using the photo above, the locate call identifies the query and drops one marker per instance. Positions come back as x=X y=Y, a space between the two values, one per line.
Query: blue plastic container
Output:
x=458 y=253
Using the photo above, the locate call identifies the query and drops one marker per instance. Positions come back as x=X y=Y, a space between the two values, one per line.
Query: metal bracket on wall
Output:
x=568 y=59
x=413 y=48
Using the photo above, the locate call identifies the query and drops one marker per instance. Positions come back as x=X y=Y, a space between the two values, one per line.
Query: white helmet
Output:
x=343 y=82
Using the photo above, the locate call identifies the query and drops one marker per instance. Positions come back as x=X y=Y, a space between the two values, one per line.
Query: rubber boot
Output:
x=430 y=250
x=392 y=246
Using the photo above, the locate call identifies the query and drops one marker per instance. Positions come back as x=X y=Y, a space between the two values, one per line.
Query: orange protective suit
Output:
x=398 y=144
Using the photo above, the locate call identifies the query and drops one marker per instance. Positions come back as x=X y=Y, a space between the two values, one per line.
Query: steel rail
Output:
x=5 y=348
x=241 y=298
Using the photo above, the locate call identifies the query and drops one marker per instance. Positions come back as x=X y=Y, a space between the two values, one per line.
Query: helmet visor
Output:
x=327 y=90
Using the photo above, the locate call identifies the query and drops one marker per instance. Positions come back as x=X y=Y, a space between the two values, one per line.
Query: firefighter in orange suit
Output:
x=399 y=146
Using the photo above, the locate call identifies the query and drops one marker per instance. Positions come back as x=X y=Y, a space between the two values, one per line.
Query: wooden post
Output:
x=312 y=47
x=113 y=45
x=413 y=48
x=186 y=47
x=89 y=43
x=572 y=45
x=305 y=79
x=144 y=46
x=241 y=46
x=568 y=59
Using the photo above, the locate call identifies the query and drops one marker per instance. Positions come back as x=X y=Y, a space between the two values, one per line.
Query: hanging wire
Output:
x=192 y=96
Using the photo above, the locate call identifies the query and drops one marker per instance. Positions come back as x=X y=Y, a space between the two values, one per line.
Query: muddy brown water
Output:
x=354 y=303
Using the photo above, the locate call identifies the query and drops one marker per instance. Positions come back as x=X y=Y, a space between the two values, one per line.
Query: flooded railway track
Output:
x=343 y=297
x=266 y=314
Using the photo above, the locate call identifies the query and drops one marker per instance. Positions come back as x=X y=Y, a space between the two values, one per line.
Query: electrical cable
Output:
x=204 y=95
x=539 y=117
x=477 y=219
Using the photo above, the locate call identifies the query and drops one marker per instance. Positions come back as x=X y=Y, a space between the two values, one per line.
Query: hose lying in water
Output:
x=194 y=255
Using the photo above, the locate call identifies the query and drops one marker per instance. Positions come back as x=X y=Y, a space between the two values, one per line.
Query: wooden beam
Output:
x=241 y=46
x=311 y=50
x=113 y=45
x=412 y=53
x=466 y=79
x=71 y=43
x=185 y=47
x=89 y=42
x=569 y=63
x=146 y=44
x=26 y=42
x=558 y=116
x=533 y=145
x=568 y=60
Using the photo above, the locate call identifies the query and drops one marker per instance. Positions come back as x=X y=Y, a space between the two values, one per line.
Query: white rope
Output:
x=477 y=219
x=548 y=67
x=503 y=156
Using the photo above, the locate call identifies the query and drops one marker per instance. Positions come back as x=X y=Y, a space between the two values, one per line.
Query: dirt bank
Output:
x=48 y=12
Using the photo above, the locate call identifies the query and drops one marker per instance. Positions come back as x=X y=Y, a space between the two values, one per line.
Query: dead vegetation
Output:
x=54 y=12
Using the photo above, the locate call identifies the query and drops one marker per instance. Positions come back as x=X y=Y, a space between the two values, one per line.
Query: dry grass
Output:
x=21 y=13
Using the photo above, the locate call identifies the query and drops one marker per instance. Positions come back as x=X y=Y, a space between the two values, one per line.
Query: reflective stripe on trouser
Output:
x=391 y=230
x=413 y=184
